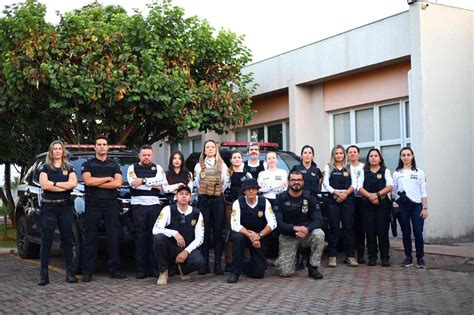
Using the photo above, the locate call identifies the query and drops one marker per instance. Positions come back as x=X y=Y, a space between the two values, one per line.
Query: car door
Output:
x=33 y=197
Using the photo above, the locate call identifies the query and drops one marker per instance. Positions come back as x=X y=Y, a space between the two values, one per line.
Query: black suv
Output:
x=28 y=207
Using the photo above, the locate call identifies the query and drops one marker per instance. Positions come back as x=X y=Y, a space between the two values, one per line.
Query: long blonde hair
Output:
x=65 y=165
x=332 y=161
x=219 y=160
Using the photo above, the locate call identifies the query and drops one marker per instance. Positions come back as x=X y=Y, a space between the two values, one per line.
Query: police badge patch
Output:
x=345 y=174
x=304 y=209
x=153 y=168
x=260 y=214
x=65 y=172
x=193 y=222
x=379 y=176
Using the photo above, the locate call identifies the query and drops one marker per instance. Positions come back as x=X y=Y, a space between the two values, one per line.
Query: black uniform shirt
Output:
x=57 y=175
x=98 y=168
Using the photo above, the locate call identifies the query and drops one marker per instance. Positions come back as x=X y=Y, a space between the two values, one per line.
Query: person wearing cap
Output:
x=252 y=220
x=146 y=180
x=299 y=221
x=178 y=232
x=254 y=165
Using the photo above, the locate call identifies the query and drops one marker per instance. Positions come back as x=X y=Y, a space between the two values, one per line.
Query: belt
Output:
x=53 y=201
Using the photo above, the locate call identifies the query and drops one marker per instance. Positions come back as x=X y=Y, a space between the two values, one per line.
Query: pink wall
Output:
x=367 y=87
x=270 y=108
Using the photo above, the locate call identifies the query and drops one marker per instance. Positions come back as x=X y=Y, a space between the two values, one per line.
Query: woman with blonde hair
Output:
x=57 y=179
x=210 y=175
x=340 y=181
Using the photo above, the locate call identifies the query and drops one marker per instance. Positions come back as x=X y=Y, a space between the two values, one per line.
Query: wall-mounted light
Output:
x=423 y=4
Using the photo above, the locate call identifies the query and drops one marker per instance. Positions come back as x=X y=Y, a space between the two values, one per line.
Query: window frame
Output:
x=285 y=128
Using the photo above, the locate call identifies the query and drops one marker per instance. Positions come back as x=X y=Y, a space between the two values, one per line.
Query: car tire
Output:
x=77 y=248
x=26 y=248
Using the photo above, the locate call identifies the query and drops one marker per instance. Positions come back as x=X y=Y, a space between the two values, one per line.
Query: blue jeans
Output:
x=410 y=213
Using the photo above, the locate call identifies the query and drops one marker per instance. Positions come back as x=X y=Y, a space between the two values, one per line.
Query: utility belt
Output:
x=57 y=201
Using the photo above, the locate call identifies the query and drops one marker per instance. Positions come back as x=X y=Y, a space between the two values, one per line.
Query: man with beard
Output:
x=299 y=220
x=145 y=179
x=253 y=165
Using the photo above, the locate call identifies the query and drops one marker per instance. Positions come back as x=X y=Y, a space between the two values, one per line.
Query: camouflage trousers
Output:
x=289 y=246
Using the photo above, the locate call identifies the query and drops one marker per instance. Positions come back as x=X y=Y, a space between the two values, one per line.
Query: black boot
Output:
x=70 y=275
x=44 y=277
x=233 y=278
x=299 y=262
x=204 y=269
x=314 y=273
x=218 y=268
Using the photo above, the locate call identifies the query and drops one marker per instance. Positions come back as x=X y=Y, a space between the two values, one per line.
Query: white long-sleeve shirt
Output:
x=235 y=216
x=164 y=220
x=272 y=182
x=387 y=175
x=210 y=163
x=413 y=183
x=171 y=188
x=327 y=174
x=158 y=179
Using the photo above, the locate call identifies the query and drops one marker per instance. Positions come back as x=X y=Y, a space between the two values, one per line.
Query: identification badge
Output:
x=65 y=172
x=345 y=174
x=413 y=176
x=193 y=222
x=260 y=214
x=379 y=176
x=304 y=209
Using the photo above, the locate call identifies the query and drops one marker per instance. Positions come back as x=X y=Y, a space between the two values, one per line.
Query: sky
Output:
x=270 y=27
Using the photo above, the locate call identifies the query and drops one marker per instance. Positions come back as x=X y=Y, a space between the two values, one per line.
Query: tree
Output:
x=137 y=79
x=101 y=71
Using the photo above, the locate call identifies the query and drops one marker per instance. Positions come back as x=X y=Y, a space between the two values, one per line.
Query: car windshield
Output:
x=123 y=161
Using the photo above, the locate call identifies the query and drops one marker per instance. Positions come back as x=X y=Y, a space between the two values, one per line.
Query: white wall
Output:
x=441 y=99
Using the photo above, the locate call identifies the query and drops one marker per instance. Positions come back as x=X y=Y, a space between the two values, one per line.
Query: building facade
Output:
x=406 y=80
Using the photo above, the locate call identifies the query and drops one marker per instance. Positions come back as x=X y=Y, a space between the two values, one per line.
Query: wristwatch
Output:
x=144 y=180
x=260 y=234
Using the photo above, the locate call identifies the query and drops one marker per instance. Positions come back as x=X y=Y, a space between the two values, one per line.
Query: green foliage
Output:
x=101 y=71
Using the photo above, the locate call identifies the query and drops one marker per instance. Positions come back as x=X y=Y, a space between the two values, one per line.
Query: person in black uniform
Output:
x=312 y=183
x=254 y=165
x=375 y=183
x=102 y=177
x=235 y=175
x=146 y=179
x=252 y=221
x=177 y=175
x=299 y=221
x=57 y=179
x=340 y=181
x=179 y=231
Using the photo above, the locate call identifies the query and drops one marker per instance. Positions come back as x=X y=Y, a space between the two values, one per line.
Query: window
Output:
x=197 y=144
x=187 y=146
x=276 y=132
x=384 y=126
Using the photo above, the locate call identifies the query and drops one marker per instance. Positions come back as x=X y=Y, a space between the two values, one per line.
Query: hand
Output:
x=253 y=236
x=424 y=214
x=301 y=231
x=256 y=244
x=181 y=258
x=137 y=182
x=375 y=202
x=372 y=197
x=180 y=240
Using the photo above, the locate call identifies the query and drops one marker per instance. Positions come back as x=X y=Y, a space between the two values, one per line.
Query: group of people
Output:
x=250 y=206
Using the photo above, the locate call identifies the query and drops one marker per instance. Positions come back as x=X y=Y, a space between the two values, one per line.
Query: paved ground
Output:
x=343 y=290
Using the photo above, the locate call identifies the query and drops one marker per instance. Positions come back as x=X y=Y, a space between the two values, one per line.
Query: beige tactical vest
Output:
x=210 y=183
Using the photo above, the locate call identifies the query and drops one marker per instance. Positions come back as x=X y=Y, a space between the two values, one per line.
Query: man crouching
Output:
x=251 y=221
x=299 y=222
x=178 y=232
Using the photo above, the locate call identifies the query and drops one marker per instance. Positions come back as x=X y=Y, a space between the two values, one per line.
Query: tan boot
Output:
x=352 y=262
x=332 y=262
x=163 y=279
x=183 y=276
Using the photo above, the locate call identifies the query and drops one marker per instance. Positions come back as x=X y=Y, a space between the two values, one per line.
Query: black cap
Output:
x=184 y=187
x=249 y=183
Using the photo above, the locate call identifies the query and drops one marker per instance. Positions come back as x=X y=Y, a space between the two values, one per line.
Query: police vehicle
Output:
x=28 y=208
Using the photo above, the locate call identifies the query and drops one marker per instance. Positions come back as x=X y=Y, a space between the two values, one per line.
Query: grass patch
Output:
x=11 y=233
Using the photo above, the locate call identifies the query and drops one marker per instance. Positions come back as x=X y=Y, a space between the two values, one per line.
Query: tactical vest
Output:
x=253 y=218
x=311 y=177
x=340 y=179
x=142 y=171
x=184 y=224
x=210 y=183
x=236 y=180
x=174 y=178
x=295 y=213
x=254 y=170
x=374 y=182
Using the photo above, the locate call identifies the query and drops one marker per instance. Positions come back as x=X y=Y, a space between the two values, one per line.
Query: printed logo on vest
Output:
x=193 y=222
x=65 y=172
x=260 y=214
x=345 y=174
x=312 y=174
x=379 y=176
x=304 y=209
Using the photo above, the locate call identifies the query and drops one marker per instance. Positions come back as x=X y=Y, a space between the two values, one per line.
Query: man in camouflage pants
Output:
x=299 y=221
